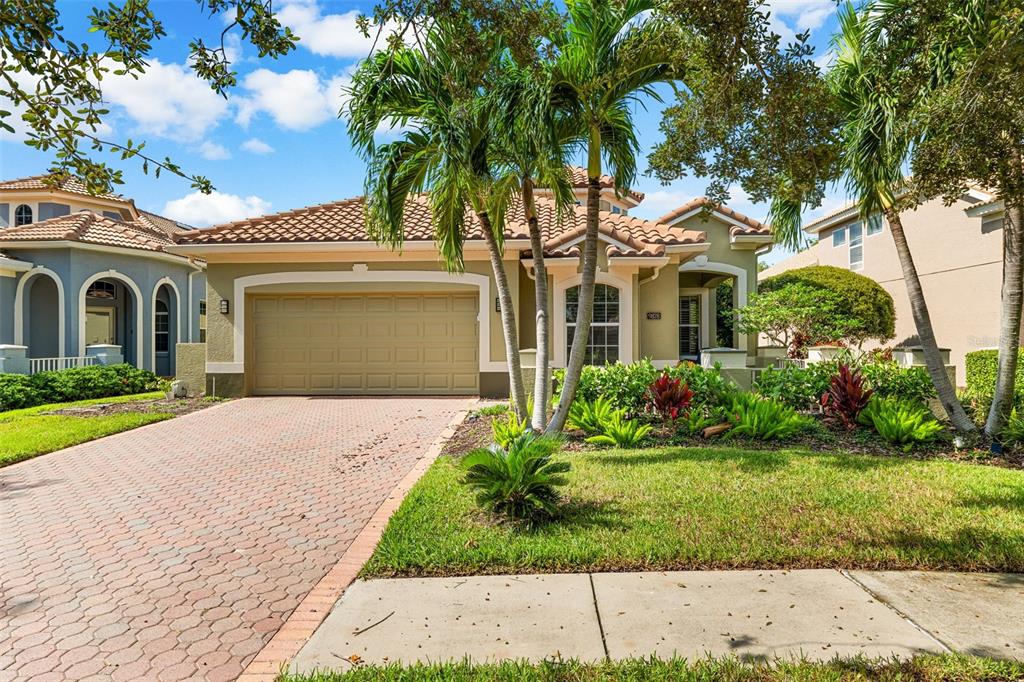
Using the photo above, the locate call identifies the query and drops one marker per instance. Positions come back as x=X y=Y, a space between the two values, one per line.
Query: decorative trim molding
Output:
x=225 y=367
x=481 y=282
x=625 y=287
x=19 y=308
x=177 y=327
x=139 y=310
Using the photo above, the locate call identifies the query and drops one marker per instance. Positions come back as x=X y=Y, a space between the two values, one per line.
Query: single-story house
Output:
x=958 y=252
x=303 y=302
x=86 y=279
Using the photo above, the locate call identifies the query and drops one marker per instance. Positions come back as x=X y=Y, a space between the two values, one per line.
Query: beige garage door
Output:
x=364 y=344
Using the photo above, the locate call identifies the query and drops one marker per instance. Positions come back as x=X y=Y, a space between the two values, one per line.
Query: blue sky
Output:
x=276 y=143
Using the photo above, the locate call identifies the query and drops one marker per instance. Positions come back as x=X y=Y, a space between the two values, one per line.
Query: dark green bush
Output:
x=794 y=386
x=626 y=385
x=858 y=297
x=80 y=383
x=980 y=375
x=16 y=391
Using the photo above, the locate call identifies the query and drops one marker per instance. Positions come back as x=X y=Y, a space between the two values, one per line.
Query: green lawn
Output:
x=688 y=508
x=922 y=669
x=27 y=433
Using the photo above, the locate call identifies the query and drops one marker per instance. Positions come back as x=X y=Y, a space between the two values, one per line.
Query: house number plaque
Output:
x=653 y=316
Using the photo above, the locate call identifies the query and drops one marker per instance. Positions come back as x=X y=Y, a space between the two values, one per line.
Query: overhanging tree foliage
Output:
x=54 y=84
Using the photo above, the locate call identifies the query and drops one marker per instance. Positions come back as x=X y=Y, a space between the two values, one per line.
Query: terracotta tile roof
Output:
x=90 y=228
x=578 y=178
x=750 y=226
x=171 y=228
x=342 y=221
x=69 y=184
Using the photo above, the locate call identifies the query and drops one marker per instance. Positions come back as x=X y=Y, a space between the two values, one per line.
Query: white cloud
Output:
x=329 y=35
x=807 y=14
x=202 y=210
x=661 y=201
x=296 y=100
x=167 y=100
x=213 y=151
x=257 y=146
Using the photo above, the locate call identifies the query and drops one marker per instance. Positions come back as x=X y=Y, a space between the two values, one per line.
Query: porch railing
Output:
x=36 y=365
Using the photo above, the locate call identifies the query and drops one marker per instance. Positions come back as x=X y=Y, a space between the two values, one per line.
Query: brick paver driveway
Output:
x=176 y=551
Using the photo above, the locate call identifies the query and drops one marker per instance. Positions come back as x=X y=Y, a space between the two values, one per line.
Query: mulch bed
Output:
x=475 y=432
x=175 y=406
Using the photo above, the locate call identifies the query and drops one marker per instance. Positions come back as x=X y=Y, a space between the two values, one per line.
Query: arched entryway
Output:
x=110 y=315
x=165 y=327
x=42 y=310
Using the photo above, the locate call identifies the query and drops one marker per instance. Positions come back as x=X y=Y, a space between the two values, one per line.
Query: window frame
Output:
x=18 y=221
x=161 y=318
x=839 y=237
x=570 y=324
x=876 y=220
x=858 y=246
x=690 y=325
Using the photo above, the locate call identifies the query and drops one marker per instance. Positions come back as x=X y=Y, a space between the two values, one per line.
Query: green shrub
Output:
x=507 y=430
x=492 y=410
x=79 y=383
x=709 y=387
x=798 y=387
x=519 y=482
x=888 y=380
x=857 y=298
x=17 y=391
x=901 y=422
x=621 y=432
x=764 y=419
x=981 y=367
x=589 y=416
x=1013 y=433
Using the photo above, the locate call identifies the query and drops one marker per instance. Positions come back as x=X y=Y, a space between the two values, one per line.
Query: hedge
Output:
x=860 y=297
x=80 y=383
x=981 y=367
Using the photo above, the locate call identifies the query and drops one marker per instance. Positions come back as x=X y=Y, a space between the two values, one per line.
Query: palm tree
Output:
x=532 y=143
x=435 y=94
x=609 y=55
x=875 y=147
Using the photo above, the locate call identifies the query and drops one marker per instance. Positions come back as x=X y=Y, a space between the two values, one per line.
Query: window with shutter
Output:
x=689 y=327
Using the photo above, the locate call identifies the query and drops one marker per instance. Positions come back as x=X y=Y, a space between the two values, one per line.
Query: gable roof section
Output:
x=343 y=221
x=70 y=184
x=578 y=178
x=171 y=228
x=88 y=227
x=740 y=224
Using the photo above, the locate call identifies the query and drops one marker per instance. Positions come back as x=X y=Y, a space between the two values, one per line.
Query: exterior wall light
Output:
x=225 y=306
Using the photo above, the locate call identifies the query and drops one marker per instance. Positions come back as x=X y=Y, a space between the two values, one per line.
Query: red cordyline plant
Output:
x=847 y=395
x=669 y=397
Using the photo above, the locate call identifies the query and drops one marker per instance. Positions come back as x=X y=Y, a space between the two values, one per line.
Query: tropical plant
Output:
x=507 y=430
x=699 y=418
x=590 y=416
x=764 y=419
x=847 y=395
x=436 y=94
x=860 y=308
x=799 y=387
x=876 y=143
x=492 y=410
x=609 y=54
x=1013 y=433
x=901 y=422
x=669 y=398
x=624 y=384
x=520 y=482
x=795 y=316
x=710 y=388
x=620 y=431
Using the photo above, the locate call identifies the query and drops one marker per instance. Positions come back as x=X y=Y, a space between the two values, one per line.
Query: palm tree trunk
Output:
x=508 y=319
x=1009 y=328
x=585 y=314
x=542 y=379
x=925 y=333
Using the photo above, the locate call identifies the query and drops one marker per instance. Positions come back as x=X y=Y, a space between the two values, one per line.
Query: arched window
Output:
x=22 y=215
x=162 y=328
x=603 y=345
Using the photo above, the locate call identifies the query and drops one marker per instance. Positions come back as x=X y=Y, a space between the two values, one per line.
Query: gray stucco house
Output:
x=85 y=277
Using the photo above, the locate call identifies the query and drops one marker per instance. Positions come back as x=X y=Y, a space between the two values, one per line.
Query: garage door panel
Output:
x=376 y=343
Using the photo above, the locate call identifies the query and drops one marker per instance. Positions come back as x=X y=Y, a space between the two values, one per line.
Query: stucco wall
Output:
x=8 y=284
x=76 y=266
x=960 y=266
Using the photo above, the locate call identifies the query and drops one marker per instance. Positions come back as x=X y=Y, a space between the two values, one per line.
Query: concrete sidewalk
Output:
x=753 y=615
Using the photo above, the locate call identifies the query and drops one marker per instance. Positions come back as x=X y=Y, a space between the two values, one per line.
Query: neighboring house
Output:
x=304 y=302
x=958 y=253
x=78 y=270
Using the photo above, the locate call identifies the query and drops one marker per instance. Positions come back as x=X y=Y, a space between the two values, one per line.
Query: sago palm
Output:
x=521 y=482
x=609 y=55
x=435 y=94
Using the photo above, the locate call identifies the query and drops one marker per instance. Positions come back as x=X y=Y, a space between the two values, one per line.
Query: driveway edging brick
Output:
x=317 y=604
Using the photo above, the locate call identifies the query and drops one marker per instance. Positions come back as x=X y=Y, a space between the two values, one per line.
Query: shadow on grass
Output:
x=1010 y=498
x=763 y=461
x=581 y=515
x=965 y=549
